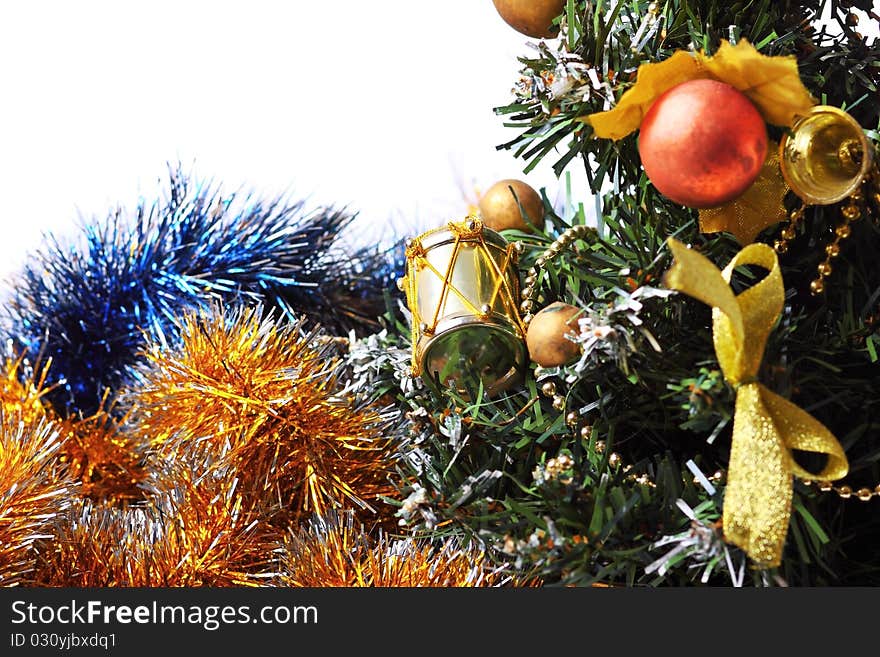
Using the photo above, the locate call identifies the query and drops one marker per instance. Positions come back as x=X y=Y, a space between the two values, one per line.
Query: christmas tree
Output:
x=674 y=388
x=698 y=406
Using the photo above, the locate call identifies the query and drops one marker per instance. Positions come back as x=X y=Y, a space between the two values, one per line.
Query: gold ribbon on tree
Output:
x=766 y=427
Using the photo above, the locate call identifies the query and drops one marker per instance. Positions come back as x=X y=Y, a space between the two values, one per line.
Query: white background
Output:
x=381 y=107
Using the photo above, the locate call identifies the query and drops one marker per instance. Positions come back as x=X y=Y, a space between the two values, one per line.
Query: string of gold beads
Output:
x=530 y=284
x=849 y=213
x=548 y=389
x=846 y=492
x=853 y=210
x=790 y=231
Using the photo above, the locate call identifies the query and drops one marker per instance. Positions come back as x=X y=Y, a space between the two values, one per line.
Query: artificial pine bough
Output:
x=612 y=469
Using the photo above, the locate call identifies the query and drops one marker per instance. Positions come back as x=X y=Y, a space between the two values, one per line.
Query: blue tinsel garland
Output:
x=87 y=307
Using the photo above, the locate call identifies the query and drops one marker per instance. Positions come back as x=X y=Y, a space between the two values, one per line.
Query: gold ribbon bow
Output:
x=766 y=427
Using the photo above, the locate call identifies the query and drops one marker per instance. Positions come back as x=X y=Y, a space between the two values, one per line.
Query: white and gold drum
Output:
x=462 y=288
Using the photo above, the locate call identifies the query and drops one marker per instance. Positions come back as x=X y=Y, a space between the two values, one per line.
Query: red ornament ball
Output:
x=702 y=143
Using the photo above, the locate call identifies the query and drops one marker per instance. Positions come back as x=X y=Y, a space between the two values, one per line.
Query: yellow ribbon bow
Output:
x=766 y=427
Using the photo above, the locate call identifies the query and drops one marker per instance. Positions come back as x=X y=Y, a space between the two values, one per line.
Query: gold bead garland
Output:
x=789 y=232
x=846 y=492
x=615 y=461
x=853 y=210
x=530 y=285
x=849 y=213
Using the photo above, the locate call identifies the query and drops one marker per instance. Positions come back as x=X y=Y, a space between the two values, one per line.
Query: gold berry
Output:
x=546 y=336
x=499 y=209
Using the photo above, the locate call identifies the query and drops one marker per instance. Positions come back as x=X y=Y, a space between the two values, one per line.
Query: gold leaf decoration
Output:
x=773 y=84
x=759 y=207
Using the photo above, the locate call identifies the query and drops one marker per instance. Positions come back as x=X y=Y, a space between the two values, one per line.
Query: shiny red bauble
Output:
x=702 y=143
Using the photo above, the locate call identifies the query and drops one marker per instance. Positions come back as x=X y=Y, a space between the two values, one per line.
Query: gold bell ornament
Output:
x=462 y=287
x=826 y=158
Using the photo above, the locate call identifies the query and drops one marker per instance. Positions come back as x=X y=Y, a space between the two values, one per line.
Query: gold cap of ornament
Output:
x=825 y=156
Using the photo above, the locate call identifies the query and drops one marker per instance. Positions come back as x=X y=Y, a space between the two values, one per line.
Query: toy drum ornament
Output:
x=462 y=288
